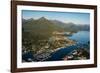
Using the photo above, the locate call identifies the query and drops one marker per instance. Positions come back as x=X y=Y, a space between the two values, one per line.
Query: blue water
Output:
x=58 y=55
x=27 y=55
x=81 y=37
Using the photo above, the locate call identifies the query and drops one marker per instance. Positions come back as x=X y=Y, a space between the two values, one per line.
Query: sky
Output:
x=67 y=17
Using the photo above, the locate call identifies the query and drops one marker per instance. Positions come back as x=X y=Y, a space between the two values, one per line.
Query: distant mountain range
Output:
x=43 y=25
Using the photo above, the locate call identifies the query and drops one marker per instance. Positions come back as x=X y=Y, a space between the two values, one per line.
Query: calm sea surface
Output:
x=81 y=37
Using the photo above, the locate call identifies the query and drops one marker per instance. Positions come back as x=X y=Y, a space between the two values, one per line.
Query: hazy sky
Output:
x=74 y=17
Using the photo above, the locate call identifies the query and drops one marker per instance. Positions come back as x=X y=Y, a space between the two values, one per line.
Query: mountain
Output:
x=71 y=26
x=41 y=28
x=34 y=30
x=46 y=27
x=42 y=19
x=40 y=25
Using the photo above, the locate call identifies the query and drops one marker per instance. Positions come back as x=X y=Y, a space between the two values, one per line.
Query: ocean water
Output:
x=81 y=37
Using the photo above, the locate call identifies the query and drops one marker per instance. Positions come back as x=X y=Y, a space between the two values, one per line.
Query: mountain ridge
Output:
x=46 y=24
